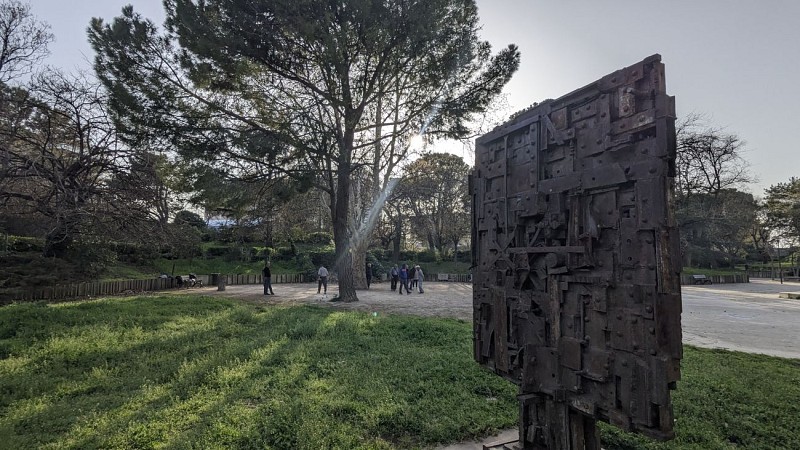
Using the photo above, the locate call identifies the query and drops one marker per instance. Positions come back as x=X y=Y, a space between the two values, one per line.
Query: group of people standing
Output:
x=408 y=278
x=401 y=278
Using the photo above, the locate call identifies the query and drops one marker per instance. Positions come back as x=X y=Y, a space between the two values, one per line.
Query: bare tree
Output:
x=23 y=40
x=59 y=150
x=708 y=160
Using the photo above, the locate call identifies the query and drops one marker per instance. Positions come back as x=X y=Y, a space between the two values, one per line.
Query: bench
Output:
x=700 y=279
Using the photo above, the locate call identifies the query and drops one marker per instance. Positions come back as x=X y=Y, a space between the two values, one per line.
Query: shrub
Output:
x=305 y=266
x=284 y=253
x=378 y=269
x=320 y=238
x=91 y=258
x=25 y=244
x=216 y=251
x=322 y=257
x=428 y=256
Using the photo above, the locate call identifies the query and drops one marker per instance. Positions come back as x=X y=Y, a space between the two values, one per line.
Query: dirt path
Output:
x=439 y=300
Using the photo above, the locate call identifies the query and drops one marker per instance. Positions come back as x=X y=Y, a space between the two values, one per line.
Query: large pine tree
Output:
x=316 y=90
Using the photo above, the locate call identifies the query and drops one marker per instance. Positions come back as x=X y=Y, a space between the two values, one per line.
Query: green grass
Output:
x=199 y=372
x=729 y=400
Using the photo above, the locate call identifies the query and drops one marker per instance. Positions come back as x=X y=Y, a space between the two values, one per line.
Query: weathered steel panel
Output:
x=576 y=288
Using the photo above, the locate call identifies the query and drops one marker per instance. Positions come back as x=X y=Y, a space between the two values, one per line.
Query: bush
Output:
x=322 y=257
x=35 y=270
x=305 y=266
x=378 y=269
x=284 y=253
x=428 y=256
x=213 y=252
x=241 y=253
x=91 y=258
x=266 y=252
x=320 y=238
x=381 y=254
x=25 y=244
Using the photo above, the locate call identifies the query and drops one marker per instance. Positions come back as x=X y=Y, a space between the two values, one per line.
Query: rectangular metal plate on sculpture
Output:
x=576 y=291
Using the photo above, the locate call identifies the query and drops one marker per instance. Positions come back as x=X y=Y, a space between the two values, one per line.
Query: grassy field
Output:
x=196 y=372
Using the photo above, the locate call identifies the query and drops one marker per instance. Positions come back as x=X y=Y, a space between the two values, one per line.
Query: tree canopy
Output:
x=317 y=91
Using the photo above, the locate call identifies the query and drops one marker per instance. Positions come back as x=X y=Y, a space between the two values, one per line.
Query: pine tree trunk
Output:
x=341 y=232
x=359 y=258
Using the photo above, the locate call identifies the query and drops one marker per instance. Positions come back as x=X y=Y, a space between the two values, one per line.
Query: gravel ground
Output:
x=439 y=300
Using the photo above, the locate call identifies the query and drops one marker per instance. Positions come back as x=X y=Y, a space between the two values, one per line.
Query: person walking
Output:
x=369 y=274
x=266 y=274
x=420 y=277
x=412 y=277
x=403 y=280
x=394 y=274
x=322 y=278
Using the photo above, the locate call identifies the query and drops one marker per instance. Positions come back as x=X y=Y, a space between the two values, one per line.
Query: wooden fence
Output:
x=772 y=274
x=87 y=290
x=258 y=279
x=101 y=288
x=686 y=280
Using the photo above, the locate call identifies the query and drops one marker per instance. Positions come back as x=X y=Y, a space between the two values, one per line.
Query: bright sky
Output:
x=737 y=61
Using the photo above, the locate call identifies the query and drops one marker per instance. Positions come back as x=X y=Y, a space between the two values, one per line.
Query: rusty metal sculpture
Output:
x=576 y=286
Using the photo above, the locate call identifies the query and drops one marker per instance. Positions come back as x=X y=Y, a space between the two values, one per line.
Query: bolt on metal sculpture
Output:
x=576 y=290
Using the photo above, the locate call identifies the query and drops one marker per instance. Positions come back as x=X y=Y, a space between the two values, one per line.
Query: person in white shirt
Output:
x=420 y=276
x=322 y=277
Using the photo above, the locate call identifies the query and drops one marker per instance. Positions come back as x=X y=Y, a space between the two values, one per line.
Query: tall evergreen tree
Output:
x=309 y=89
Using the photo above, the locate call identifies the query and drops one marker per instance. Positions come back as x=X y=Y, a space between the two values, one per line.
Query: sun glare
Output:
x=416 y=142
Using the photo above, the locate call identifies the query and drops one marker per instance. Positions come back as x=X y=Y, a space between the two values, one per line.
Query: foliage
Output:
x=782 y=204
x=189 y=218
x=31 y=269
x=59 y=151
x=728 y=400
x=715 y=229
x=319 y=238
x=24 y=244
x=197 y=371
x=321 y=92
x=716 y=220
x=434 y=189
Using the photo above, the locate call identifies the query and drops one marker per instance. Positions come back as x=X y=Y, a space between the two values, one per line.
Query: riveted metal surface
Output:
x=576 y=287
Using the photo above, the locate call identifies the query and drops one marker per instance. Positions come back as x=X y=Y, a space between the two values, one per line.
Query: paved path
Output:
x=745 y=317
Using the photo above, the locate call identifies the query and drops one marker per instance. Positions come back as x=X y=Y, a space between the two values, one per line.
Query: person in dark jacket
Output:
x=395 y=276
x=369 y=274
x=412 y=277
x=267 y=276
x=403 y=280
